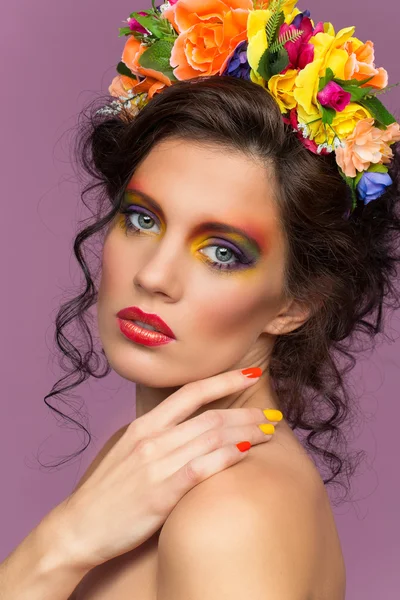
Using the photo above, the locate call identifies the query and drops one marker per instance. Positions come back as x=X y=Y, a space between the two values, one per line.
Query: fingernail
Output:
x=243 y=446
x=273 y=415
x=267 y=428
x=252 y=372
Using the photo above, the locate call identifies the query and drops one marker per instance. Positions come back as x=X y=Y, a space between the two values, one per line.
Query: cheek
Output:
x=115 y=268
x=242 y=305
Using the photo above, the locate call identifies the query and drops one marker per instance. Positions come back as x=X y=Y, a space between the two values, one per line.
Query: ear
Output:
x=290 y=317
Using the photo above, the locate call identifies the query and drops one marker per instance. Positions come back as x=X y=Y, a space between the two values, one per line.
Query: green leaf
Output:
x=377 y=110
x=281 y=20
x=378 y=168
x=328 y=114
x=157 y=57
x=356 y=82
x=278 y=61
x=274 y=22
x=351 y=183
x=124 y=31
x=122 y=69
x=263 y=66
x=356 y=92
x=323 y=82
x=150 y=23
x=288 y=36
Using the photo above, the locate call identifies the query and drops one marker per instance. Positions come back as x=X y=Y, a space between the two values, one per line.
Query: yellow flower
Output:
x=282 y=86
x=289 y=7
x=343 y=123
x=306 y=90
x=327 y=54
x=329 y=48
x=257 y=37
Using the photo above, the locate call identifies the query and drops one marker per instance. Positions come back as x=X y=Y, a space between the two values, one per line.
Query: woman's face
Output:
x=222 y=319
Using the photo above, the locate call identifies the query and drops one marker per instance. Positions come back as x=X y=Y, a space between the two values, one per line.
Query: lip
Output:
x=134 y=313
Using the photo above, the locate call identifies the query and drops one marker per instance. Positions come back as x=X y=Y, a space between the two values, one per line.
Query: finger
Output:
x=202 y=467
x=205 y=443
x=190 y=397
x=165 y=442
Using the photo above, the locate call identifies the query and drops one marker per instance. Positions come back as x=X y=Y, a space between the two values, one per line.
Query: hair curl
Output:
x=344 y=269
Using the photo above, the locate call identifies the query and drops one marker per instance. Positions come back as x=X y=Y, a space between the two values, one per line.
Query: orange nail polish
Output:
x=243 y=446
x=252 y=372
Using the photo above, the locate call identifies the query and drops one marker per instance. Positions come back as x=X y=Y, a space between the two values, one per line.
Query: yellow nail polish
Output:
x=267 y=428
x=273 y=415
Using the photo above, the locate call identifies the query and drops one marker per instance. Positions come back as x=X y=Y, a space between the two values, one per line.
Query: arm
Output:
x=42 y=567
x=39 y=568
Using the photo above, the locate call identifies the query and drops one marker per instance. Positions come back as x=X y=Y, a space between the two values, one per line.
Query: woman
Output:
x=251 y=243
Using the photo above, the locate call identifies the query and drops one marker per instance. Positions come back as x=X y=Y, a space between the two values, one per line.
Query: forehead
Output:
x=207 y=182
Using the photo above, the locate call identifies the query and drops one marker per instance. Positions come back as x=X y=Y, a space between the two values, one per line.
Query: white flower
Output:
x=162 y=7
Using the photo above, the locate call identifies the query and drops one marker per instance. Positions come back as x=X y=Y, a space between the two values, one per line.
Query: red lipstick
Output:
x=141 y=335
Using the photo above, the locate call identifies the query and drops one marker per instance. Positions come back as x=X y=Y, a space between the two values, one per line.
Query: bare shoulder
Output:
x=263 y=483
x=274 y=504
x=269 y=470
x=268 y=473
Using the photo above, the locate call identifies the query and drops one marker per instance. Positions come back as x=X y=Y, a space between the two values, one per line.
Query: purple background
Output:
x=55 y=57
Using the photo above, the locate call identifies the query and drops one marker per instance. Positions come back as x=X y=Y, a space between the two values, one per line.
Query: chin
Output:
x=142 y=366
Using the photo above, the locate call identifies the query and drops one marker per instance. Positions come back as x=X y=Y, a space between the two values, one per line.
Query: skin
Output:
x=222 y=320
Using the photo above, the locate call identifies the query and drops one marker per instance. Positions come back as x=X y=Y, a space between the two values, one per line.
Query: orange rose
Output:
x=121 y=86
x=360 y=64
x=209 y=31
x=155 y=81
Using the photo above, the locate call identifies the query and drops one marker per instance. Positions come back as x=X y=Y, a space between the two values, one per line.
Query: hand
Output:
x=154 y=464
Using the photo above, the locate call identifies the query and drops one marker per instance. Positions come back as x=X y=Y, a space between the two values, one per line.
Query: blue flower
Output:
x=237 y=65
x=372 y=185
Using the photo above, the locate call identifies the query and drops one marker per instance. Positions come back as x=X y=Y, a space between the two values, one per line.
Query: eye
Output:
x=142 y=219
x=229 y=258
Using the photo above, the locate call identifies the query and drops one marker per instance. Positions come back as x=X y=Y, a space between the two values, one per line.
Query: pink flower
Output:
x=135 y=25
x=334 y=96
x=300 y=51
x=367 y=144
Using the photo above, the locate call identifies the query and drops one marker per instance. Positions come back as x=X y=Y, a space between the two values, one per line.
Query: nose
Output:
x=162 y=270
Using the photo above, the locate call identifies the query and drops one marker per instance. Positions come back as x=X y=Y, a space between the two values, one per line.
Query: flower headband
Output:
x=325 y=83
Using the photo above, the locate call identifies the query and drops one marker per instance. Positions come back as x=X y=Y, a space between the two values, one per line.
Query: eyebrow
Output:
x=202 y=227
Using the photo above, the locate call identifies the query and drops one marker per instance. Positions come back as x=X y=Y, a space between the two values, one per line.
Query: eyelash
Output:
x=239 y=264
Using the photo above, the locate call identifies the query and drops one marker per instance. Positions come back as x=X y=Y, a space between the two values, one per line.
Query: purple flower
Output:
x=334 y=96
x=372 y=185
x=237 y=65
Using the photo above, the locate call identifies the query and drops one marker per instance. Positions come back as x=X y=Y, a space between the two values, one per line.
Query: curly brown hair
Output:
x=344 y=268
